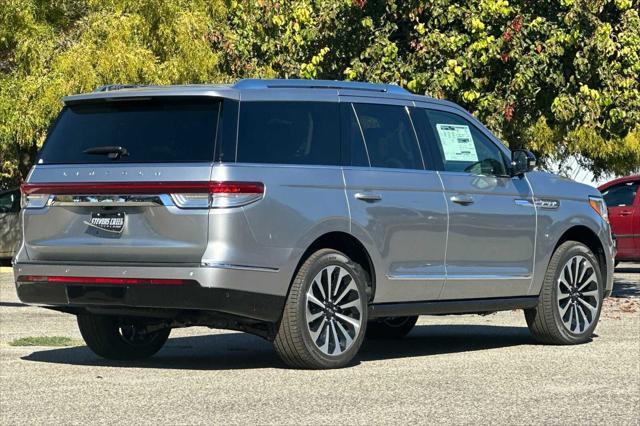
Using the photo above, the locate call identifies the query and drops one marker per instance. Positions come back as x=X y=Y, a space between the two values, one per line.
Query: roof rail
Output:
x=112 y=87
x=251 y=83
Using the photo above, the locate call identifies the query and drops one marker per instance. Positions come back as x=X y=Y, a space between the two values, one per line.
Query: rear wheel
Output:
x=325 y=316
x=119 y=338
x=571 y=298
x=391 y=327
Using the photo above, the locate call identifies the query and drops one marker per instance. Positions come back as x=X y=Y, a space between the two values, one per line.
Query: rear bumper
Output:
x=189 y=294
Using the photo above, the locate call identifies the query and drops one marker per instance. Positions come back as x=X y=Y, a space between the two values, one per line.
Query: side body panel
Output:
x=573 y=210
x=404 y=232
x=268 y=237
x=491 y=241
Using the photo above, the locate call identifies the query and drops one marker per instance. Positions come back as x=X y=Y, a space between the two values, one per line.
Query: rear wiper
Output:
x=113 y=152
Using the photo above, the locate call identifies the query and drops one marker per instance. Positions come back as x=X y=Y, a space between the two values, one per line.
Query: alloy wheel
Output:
x=333 y=310
x=578 y=294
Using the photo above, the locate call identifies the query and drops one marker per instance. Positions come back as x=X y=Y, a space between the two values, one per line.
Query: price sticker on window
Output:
x=457 y=142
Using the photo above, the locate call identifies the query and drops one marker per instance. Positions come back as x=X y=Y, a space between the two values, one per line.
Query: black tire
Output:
x=116 y=338
x=545 y=320
x=391 y=327
x=294 y=342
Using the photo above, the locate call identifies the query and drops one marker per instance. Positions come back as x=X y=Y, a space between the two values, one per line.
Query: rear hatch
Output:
x=123 y=181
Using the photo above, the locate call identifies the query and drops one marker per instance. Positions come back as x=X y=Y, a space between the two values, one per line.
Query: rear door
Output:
x=492 y=218
x=620 y=200
x=124 y=181
x=396 y=205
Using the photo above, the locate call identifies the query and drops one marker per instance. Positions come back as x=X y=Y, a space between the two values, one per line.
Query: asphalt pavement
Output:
x=449 y=370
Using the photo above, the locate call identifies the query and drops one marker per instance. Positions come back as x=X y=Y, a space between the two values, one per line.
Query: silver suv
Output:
x=311 y=213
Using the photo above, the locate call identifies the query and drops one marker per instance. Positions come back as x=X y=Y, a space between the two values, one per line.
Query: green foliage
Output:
x=46 y=341
x=559 y=77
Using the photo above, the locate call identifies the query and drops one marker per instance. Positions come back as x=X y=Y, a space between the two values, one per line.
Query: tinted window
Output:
x=463 y=148
x=227 y=131
x=289 y=133
x=620 y=195
x=391 y=141
x=353 y=146
x=152 y=131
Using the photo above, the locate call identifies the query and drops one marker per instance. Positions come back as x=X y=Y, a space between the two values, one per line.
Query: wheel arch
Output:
x=589 y=238
x=347 y=244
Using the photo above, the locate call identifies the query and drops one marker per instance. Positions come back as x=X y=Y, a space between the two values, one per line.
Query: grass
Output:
x=46 y=341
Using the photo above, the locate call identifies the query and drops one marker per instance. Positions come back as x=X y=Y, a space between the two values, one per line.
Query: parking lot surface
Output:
x=450 y=369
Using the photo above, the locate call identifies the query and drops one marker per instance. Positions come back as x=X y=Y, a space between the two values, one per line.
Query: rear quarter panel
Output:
x=301 y=203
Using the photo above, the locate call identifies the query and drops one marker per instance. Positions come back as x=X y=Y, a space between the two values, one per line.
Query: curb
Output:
x=5 y=269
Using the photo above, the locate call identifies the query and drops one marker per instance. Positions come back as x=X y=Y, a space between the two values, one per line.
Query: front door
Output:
x=622 y=210
x=492 y=218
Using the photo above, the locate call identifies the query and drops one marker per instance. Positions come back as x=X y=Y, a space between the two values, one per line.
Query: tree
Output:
x=559 y=77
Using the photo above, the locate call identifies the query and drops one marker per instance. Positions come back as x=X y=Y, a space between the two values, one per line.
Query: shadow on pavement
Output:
x=625 y=289
x=14 y=304
x=231 y=351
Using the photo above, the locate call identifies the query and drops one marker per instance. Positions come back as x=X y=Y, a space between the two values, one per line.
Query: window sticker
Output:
x=457 y=142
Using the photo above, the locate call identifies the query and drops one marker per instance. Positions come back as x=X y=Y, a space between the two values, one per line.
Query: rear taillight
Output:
x=234 y=194
x=186 y=195
x=221 y=195
x=34 y=201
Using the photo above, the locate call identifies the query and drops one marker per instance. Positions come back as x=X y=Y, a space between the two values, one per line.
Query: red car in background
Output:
x=623 y=200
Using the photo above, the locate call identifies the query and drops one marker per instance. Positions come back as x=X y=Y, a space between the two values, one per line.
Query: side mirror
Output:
x=522 y=161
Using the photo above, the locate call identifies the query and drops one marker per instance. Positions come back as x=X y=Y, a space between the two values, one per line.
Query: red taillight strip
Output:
x=142 y=188
x=100 y=280
x=236 y=188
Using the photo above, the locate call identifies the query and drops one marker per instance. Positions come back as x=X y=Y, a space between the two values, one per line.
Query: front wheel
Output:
x=571 y=297
x=119 y=338
x=325 y=316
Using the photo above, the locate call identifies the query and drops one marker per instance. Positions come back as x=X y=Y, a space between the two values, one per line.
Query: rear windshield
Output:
x=151 y=131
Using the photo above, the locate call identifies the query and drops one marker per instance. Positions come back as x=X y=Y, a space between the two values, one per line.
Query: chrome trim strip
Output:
x=488 y=277
x=420 y=277
x=109 y=200
x=523 y=202
x=415 y=277
x=239 y=267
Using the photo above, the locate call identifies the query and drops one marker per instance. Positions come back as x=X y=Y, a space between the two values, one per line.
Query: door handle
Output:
x=625 y=213
x=464 y=200
x=368 y=197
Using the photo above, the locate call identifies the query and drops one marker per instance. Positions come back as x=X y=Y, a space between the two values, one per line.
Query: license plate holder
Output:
x=108 y=222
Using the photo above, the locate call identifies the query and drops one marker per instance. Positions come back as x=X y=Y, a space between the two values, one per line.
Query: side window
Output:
x=353 y=147
x=225 y=150
x=289 y=133
x=389 y=136
x=10 y=202
x=463 y=148
x=621 y=195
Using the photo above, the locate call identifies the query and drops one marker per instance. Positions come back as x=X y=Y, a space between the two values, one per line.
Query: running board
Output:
x=440 y=307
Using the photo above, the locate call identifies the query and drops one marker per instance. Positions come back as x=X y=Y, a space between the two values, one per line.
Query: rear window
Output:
x=289 y=133
x=151 y=131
